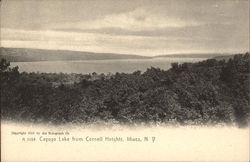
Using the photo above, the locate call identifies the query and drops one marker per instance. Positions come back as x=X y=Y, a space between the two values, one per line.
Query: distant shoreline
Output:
x=35 y=55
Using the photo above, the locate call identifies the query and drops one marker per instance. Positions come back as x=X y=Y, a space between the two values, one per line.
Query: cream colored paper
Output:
x=192 y=143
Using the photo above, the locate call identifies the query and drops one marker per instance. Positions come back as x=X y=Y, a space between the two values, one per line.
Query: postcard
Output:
x=123 y=80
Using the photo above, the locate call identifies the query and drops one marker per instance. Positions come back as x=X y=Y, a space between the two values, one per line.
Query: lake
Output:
x=100 y=66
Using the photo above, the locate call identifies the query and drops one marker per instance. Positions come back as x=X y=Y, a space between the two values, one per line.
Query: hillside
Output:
x=226 y=58
x=197 y=55
x=27 y=55
x=206 y=92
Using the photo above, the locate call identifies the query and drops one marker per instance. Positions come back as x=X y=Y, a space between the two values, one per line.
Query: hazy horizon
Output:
x=141 y=27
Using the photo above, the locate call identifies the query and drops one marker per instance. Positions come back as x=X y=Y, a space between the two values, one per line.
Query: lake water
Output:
x=100 y=66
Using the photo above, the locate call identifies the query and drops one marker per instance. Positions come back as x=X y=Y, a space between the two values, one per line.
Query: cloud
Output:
x=91 y=42
x=137 y=27
x=75 y=41
x=136 y=20
x=121 y=44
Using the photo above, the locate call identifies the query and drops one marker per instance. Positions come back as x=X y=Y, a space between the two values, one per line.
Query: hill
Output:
x=206 y=92
x=196 y=55
x=226 y=58
x=28 y=55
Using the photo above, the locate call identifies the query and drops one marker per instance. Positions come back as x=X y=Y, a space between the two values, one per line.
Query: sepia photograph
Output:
x=124 y=80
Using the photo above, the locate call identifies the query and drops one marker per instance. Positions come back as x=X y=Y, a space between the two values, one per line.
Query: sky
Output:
x=142 y=27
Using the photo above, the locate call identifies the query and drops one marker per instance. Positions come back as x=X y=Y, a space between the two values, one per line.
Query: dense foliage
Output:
x=206 y=92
